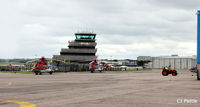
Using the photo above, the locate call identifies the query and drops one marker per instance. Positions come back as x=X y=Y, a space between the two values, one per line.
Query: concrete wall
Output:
x=156 y=63
x=177 y=63
x=172 y=62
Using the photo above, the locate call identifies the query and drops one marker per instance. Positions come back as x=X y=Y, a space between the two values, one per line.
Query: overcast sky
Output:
x=125 y=28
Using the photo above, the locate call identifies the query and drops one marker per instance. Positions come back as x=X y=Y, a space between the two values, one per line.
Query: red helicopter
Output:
x=42 y=67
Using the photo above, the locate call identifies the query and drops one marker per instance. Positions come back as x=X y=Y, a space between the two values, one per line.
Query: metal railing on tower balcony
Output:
x=82 y=44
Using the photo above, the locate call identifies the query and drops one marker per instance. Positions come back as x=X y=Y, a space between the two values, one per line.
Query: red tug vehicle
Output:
x=168 y=70
x=42 y=67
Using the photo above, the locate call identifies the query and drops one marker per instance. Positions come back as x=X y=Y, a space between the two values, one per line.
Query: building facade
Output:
x=144 y=58
x=176 y=62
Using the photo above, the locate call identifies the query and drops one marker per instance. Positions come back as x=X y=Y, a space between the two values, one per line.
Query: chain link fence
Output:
x=62 y=67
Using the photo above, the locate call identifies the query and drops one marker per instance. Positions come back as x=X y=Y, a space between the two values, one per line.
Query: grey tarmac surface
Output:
x=108 y=89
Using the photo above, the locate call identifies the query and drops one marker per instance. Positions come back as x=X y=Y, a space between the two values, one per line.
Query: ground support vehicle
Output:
x=193 y=70
x=93 y=68
x=165 y=72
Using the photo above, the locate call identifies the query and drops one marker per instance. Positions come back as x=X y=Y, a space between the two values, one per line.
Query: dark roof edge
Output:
x=85 y=33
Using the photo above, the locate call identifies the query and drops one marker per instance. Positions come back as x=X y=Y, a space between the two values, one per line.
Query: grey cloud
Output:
x=116 y=22
x=182 y=4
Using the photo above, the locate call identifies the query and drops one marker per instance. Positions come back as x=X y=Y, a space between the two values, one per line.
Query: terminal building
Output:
x=82 y=50
x=176 y=62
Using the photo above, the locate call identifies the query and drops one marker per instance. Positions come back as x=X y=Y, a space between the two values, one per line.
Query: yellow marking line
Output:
x=22 y=104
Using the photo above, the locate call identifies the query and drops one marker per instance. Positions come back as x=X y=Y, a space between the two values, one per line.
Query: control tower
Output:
x=82 y=50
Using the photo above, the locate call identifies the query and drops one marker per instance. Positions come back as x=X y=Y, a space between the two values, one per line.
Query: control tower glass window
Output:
x=85 y=36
